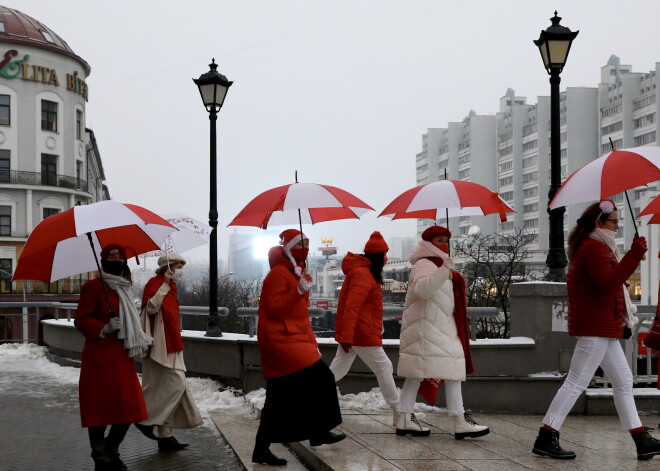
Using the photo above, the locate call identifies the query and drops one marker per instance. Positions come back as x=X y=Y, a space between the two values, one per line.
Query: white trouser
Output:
x=453 y=396
x=164 y=430
x=376 y=359
x=590 y=353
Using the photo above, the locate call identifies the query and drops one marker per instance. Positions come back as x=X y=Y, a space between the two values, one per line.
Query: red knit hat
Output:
x=288 y=239
x=112 y=249
x=435 y=231
x=288 y=235
x=376 y=244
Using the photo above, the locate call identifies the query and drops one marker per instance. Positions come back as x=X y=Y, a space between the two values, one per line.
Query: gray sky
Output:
x=339 y=90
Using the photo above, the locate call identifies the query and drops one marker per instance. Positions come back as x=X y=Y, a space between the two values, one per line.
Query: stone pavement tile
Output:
x=454 y=449
x=239 y=431
x=347 y=455
x=394 y=447
x=430 y=465
x=492 y=465
x=365 y=424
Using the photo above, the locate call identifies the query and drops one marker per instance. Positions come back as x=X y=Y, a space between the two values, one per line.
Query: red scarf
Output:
x=170 y=312
x=460 y=313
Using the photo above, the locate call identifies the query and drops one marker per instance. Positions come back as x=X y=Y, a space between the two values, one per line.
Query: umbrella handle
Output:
x=105 y=289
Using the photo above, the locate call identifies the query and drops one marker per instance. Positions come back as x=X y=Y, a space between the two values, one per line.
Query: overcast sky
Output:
x=341 y=91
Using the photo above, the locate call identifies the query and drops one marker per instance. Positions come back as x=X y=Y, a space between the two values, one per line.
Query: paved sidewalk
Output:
x=40 y=431
x=372 y=445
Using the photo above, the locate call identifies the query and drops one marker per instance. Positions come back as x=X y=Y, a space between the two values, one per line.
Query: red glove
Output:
x=346 y=347
x=305 y=283
x=639 y=246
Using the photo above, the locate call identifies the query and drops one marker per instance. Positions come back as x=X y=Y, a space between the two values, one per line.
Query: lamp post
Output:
x=554 y=45
x=213 y=88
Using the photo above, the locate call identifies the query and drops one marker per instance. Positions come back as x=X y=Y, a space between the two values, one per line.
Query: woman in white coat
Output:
x=434 y=335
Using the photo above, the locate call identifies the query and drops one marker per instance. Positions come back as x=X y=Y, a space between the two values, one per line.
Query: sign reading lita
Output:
x=19 y=68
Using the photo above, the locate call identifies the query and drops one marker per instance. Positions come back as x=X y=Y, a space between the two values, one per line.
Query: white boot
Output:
x=465 y=426
x=409 y=425
x=396 y=415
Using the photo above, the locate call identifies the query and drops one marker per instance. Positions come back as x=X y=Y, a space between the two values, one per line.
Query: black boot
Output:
x=170 y=444
x=647 y=446
x=547 y=444
x=327 y=438
x=262 y=455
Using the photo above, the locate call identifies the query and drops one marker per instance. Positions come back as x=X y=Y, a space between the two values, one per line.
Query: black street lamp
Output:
x=554 y=45
x=213 y=87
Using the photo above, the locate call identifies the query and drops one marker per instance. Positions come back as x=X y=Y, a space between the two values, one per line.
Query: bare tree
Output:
x=491 y=263
x=232 y=294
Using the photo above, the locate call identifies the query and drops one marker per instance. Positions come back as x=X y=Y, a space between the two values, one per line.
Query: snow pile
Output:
x=31 y=358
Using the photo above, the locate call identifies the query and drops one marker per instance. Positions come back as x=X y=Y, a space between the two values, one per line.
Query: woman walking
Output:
x=359 y=324
x=599 y=308
x=301 y=398
x=434 y=335
x=169 y=403
x=110 y=392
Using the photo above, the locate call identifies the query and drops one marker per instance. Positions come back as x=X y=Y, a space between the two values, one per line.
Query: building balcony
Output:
x=39 y=178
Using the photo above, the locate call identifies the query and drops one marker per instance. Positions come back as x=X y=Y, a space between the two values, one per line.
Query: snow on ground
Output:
x=30 y=361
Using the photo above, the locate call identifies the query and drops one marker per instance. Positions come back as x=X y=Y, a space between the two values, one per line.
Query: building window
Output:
x=47 y=212
x=48 y=115
x=79 y=165
x=507 y=196
x=464 y=174
x=614 y=127
x=5 y=275
x=79 y=124
x=530 y=208
x=506 y=166
x=5 y=108
x=47 y=36
x=49 y=169
x=506 y=226
x=3 y=27
x=529 y=192
x=529 y=161
x=530 y=145
x=644 y=139
x=530 y=177
x=5 y=162
x=506 y=181
x=5 y=220
x=530 y=223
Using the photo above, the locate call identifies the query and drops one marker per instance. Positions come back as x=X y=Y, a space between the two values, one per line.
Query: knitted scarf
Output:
x=135 y=340
x=607 y=238
x=460 y=313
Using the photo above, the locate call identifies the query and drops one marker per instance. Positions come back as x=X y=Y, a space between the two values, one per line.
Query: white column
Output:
x=72 y=200
x=29 y=223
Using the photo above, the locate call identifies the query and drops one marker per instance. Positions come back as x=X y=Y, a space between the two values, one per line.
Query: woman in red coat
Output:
x=109 y=389
x=359 y=324
x=599 y=308
x=301 y=399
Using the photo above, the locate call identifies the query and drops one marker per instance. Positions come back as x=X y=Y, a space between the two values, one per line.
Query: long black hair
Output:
x=377 y=263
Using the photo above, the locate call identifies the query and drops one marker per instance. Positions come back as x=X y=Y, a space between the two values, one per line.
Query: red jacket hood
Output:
x=353 y=260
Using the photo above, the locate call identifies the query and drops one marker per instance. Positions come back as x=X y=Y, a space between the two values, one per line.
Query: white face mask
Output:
x=178 y=275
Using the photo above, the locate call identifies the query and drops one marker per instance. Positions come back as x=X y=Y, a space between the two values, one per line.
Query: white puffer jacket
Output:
x=430 y=346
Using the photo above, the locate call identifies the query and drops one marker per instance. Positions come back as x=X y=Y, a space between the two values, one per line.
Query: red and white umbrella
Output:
x=612 y=173
x=447 y=198
x=59 y=246
x=651 y=213
x=300 y=203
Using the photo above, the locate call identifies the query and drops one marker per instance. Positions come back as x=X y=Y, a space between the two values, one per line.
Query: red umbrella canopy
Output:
x=300 y=203
x=447 y=197
x=651 y=213
x=59 y=246
x=617 y=171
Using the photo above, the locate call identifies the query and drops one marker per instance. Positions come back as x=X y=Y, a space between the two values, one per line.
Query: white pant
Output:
x=376 y=359
x=590 y=353
x=453 y=396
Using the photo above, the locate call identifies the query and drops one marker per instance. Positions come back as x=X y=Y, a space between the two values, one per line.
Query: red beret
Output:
x=112 y=249
x=376 y=244
x=435 y=231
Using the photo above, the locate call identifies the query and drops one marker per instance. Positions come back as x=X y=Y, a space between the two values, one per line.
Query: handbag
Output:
x=652 y=340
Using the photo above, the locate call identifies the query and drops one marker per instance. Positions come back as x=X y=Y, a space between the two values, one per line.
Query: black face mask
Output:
x=114 y=267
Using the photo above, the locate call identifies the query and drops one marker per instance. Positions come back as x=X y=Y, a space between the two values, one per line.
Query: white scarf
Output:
x=135 y=340
x=607 y=237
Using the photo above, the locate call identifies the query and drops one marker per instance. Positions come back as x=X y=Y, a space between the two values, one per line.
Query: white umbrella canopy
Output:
x=191 y=234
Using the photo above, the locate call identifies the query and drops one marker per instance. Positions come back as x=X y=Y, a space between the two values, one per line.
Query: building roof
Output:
x=20 y=28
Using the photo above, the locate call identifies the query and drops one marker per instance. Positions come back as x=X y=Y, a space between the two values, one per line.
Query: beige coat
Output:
x=429 y=343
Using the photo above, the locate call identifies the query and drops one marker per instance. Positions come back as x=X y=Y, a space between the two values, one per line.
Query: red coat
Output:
x=360 y=309
x=110 y=392
x=286 y=340
x=595 y=290
x=170 y=312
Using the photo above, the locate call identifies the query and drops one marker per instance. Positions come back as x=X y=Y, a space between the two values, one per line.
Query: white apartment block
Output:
x=509 y=152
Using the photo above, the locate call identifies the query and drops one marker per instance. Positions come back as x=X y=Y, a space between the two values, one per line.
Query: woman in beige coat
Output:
x=169 y=403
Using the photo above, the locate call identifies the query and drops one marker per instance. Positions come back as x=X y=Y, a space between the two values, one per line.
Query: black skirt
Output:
x=300 y=406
